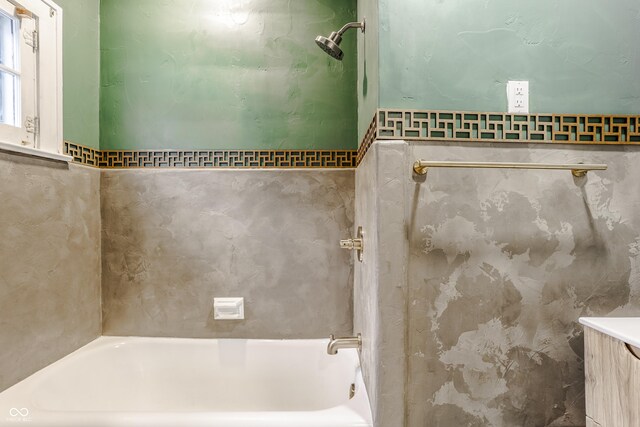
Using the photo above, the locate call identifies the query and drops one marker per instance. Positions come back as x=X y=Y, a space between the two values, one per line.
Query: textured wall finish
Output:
x=580 y=56
x=368 y=66
x=226 y=75
x=502 y=265
x=366 y=315
x=174 y=240
x=380 y=284
x=81 y=50
x=49 y=263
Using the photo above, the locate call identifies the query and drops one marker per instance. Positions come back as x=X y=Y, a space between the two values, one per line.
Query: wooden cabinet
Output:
x=612 y=375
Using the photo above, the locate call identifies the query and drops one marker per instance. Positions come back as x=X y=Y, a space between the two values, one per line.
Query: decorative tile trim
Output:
x=460 y=126
x=466 y=126
x=211 y=158
x=81 y=154
x=369 y=138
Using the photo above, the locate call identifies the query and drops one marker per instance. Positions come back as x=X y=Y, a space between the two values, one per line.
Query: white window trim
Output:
x=51 y=139
x=35 y=152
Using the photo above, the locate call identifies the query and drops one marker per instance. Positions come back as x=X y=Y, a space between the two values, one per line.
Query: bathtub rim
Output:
x=358 y=407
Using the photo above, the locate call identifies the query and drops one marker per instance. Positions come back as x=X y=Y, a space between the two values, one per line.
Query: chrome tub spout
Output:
x=336 y=344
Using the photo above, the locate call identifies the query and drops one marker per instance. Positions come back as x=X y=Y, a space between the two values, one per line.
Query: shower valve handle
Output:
x=351 y=244
x=356 y=244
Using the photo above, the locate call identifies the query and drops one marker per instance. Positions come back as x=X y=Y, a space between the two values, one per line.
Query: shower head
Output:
x=331 y=45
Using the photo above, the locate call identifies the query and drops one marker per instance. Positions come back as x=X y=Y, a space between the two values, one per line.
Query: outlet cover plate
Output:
x=518 y=97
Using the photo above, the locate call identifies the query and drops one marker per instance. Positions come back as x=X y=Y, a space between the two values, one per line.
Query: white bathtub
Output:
x=193 y=382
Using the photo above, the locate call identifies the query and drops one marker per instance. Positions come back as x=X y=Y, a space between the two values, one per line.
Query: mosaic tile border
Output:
x=427 y=125
x=82 y=154
x=369 y=138
x=115 y=159
x=467 y=126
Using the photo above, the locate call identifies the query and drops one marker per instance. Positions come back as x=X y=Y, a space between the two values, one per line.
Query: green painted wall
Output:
x=81 y=58
x=368 y=79
x=226 y=74
x=581 y=56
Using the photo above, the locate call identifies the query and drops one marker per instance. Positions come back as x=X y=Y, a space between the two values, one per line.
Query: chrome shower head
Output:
x=331 y=45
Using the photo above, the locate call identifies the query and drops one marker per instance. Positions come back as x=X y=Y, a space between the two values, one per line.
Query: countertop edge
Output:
x=611 y=326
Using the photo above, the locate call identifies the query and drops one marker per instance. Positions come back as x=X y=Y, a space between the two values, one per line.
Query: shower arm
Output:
x=331 y=45
x=350 y=25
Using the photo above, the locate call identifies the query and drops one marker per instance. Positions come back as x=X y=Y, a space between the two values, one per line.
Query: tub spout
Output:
x=336 y=344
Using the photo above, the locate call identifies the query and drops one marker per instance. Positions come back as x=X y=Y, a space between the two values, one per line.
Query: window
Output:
x=31 y=77
x=9 y=74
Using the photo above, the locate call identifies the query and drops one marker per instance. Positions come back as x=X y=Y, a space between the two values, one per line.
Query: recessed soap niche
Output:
x=228 y=308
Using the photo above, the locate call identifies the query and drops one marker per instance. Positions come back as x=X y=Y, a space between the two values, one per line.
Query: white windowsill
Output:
x=4 y=146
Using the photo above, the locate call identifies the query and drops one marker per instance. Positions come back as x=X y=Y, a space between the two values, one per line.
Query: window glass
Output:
x=8 y=41
x=9 y=99
x=9 y=74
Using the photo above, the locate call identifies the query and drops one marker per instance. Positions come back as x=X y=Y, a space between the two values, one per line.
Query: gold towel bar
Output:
x=421 y=167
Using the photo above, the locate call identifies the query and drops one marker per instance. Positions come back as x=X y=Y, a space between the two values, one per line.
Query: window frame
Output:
x=47 y=86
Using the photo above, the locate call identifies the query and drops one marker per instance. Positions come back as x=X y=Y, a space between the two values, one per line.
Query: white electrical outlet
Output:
x=518 y=97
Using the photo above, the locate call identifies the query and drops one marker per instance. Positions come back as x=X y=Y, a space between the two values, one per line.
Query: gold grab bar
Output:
x=421 y=167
